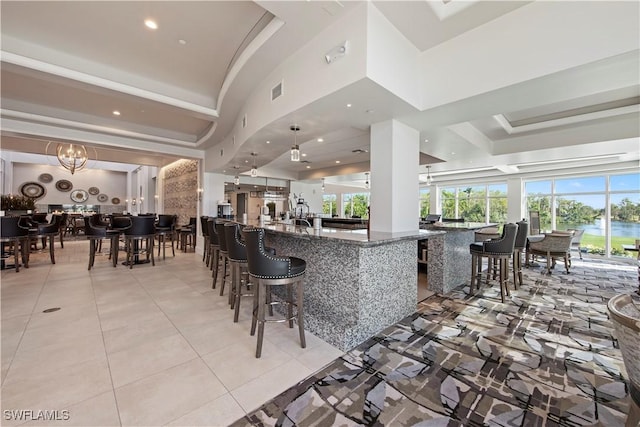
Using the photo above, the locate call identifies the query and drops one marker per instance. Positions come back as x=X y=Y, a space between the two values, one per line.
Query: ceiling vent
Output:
x=276 y=92
x=359 y=151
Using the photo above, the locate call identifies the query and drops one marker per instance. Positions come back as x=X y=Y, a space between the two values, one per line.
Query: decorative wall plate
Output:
x=64 y=185
x=115 y=201
x=94 y=190
x=45 y=177
x=103 y=198
x=79 y=196
x=33 y=190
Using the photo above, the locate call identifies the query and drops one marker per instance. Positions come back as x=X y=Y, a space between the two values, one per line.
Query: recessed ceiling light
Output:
x=453 y=152
x=246 y=161
x=268 y=142
x=337 y=161
x=116 y=112
x=308 y=167
x=304 y=154
x=320 y=140
x=150 y=23
x=426 y=140
x=182 y=42
x=348 y=105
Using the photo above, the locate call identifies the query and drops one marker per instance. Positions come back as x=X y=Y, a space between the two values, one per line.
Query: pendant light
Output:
x=295 y=150
x=323 y=185
x=254 y=168
x=366 y=183
x=429 y=179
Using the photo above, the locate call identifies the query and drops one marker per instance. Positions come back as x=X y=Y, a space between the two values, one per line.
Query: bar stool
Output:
x=205 y=235
x=518 y=250
x=269 y=271
x=142 y=230
x=166 y=226
x=95 y=234
x=238 y=262
x=11 y=232
x=214 y=250
x=223 y=254
x=497 y=249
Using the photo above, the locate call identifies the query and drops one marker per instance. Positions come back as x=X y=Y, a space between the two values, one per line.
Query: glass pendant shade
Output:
x=295 y=153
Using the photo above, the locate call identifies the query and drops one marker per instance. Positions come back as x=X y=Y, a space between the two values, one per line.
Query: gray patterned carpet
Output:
x=547 y=357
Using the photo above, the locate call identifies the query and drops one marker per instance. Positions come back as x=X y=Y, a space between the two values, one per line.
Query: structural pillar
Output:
x=395 y=154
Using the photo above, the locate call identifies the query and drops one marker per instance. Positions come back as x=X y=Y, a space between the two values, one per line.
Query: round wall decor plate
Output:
x=79 y=196
x=94 y=190
x=103 y=198
x=45 y=177
x=64 y=185
x=33 y=190
x=115 y=201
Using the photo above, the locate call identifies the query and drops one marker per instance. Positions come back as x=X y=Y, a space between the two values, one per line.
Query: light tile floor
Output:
x=146 y=346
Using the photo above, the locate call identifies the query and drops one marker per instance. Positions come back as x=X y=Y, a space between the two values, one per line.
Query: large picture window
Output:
x=581 y=203
x=480 y=203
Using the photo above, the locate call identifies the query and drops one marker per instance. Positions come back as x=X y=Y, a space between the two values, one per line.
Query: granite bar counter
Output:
x=449 y=264
x=357 y=283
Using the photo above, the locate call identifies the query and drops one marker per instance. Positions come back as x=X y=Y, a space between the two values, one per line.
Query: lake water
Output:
x=628 y=229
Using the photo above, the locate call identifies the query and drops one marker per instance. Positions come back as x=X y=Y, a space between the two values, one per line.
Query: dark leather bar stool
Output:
x=205 y=235
x=214 y=250
x=496 y=249
x=46 y=232
x=18 y=237
x=518 y=250
x=166 y=227
x=95 y=233
x=267 y=271
x=142 y=229
x=224 y=255
x=237 y=252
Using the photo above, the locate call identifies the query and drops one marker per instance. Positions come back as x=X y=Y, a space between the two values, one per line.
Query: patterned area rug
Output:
x=547 y=357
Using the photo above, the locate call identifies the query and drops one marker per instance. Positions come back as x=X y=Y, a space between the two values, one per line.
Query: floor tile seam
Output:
x=106 y=355
x=157 y=372
x=35 y=304
x=198 y=408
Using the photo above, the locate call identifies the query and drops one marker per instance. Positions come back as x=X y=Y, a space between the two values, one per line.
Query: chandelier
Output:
x=72 y=157
x=295 y=150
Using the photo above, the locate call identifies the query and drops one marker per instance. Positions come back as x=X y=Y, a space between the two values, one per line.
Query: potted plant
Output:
x=17 y=204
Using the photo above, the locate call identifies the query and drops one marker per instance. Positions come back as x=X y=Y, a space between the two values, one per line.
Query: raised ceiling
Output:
x=180 y=89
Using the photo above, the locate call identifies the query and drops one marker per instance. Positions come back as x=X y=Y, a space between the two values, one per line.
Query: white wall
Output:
x=311 y=193
x=111 y=183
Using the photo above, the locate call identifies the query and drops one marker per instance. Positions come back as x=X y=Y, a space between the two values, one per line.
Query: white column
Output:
x=395 y=151
x=516 y=210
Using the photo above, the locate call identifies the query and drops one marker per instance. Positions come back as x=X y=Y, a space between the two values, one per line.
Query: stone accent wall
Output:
x=181 y=189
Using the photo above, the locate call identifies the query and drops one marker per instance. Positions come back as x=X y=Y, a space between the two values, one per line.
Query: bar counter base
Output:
x=352 y=291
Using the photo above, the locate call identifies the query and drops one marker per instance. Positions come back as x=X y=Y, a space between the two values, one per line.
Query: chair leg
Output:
x=51 y=253
x=91 y=253
x=261 y=303
x=151 y=241
x=474 y=266
x=215 y=269
x=300 y=308
x=232 y=289
x=15 y=255
x=256 y=301
x=224 y=273
x=290 y=304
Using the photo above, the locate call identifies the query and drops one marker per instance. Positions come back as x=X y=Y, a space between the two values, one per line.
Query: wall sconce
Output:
x=323 y=185
x=254 y=168
x=295 y=150
x=133 y=201
x=200 y=191
x=366 y=183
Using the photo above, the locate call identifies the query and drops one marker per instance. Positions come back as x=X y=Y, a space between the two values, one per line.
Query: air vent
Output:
x=359 y=151
x=276 y=92
x=244 y=124
x=305 y=161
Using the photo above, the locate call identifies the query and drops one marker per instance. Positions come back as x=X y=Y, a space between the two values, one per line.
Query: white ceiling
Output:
x=66 y=66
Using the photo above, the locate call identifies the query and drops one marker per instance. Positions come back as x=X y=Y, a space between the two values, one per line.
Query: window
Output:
x=425 y=201
x=329 y=204
x=581 y=202
x=480 y=203
x=356 y=205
